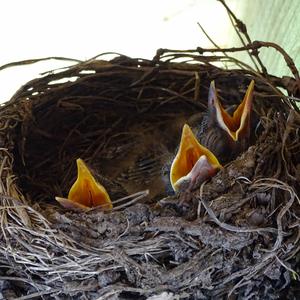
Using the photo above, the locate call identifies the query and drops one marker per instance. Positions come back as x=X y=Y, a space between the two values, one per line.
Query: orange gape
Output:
x=190 y=150
x=237 y=124
x=86 y=192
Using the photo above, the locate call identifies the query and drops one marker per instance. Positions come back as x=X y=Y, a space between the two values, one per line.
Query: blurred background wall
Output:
x=83 y=29
x=274 y=21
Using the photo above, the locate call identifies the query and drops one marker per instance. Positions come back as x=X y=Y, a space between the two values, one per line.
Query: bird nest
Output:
x=238 y=234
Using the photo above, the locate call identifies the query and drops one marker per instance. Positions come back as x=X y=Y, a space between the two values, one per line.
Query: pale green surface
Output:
x=274 y=21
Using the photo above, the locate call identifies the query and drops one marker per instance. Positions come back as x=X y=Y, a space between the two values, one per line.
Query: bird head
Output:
x=86 y=192
x=227 y=132
x=193 y=163
x=237 y=125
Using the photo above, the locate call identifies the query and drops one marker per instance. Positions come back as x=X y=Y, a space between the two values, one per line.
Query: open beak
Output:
x=193 y=163
x=237 y=125
x=86 y=192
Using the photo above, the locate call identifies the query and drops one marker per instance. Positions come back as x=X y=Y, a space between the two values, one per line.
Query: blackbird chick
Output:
x=151 y=164
x=193 y=163
x=227 y=133
x=88 y=192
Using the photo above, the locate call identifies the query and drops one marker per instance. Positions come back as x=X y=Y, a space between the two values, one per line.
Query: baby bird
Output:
x=193 y=163
x=86 y=192
x=224 y=134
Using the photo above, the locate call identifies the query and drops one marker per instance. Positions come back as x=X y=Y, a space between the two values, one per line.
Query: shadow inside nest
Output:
x=125 y=120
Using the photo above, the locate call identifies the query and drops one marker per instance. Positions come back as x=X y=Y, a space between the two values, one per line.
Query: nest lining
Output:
x=238 y=236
